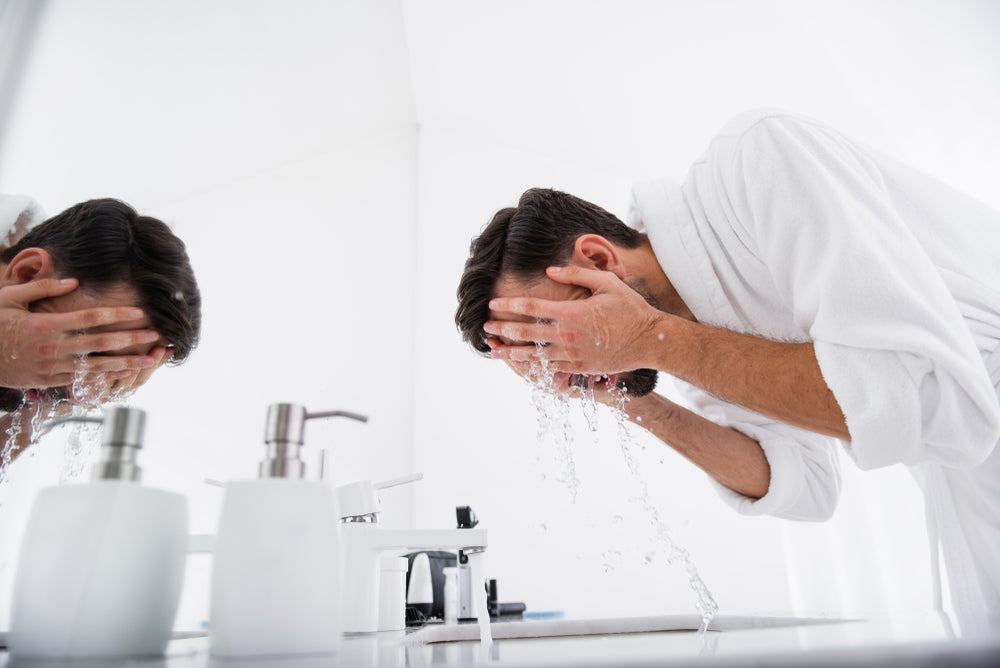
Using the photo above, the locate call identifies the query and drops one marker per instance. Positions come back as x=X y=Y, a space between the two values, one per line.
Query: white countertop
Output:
x=923 y=641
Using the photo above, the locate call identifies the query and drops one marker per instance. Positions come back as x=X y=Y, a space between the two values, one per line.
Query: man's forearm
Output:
x=780 y=380
x=731 y=458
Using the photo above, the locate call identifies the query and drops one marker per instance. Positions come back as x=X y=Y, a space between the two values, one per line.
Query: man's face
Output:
x=79 y=299
x=634 y=383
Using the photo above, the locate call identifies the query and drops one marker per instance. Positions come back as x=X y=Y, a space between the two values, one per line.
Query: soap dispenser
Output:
x=101 y=566
x=277 y=578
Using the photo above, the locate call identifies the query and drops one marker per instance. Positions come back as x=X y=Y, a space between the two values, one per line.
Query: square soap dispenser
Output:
x=277 y=579
x=101 y=566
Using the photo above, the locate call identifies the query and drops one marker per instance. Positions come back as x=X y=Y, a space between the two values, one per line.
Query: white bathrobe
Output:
x=786 y=229
x=18 y=214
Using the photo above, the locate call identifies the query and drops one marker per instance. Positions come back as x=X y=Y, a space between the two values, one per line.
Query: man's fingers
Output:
x=25 y=293
x=542 y=309
x=512 y=330
x=592 y=279
x=104 y=342
x=95 y=317
x=127 y=364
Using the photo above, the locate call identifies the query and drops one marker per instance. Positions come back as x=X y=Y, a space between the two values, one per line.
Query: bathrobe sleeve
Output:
x=888 y=335
x=805 y=472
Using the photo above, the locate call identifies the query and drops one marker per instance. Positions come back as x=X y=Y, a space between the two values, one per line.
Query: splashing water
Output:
x=553 y=420
x=89 y=392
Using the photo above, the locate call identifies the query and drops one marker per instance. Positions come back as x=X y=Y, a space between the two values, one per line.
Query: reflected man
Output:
x=92 y=301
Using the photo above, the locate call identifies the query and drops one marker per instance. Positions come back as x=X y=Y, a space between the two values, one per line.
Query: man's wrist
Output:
x=665 y=339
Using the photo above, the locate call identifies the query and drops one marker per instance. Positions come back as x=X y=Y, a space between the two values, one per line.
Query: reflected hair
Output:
x=521 y=242
x=104 y=243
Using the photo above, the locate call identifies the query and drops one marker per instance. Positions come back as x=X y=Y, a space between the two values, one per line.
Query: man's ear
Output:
x=29 y=265
x=593 y=251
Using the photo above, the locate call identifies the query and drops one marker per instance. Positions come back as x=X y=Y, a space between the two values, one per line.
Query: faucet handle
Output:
x=358 y=501
x=402 y=480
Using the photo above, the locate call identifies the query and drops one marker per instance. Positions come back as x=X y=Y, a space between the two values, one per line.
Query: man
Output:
x=801 y=287
x=91 y=302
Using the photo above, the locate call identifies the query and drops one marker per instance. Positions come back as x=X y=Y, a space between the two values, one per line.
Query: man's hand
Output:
x=608 y=332
x=577 y=385
x=39 y=350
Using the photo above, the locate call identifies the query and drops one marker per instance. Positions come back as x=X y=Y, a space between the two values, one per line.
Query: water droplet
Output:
x=611 y=557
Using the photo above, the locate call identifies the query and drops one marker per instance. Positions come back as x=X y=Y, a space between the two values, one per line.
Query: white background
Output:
x=327 y=164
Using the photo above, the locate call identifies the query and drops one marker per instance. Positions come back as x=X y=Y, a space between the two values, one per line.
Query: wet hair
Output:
x=105 y=243
x=521 y=242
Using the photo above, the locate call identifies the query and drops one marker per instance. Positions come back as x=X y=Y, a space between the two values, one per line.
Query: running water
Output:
x=553 y=420
x=478 y=577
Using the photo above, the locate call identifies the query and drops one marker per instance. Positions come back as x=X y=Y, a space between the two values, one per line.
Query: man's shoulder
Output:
x=757 y=133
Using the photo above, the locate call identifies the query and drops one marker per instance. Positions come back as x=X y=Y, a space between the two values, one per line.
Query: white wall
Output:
x=328 y=163
x=590 y=97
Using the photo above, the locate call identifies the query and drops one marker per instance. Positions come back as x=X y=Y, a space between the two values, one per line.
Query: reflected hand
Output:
x=126 y=386
x=40 y=350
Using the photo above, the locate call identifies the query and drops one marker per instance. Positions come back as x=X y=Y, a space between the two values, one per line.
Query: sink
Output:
x=551 y=628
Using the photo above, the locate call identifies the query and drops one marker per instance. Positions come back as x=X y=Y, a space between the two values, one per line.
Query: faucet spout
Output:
x=470 y=540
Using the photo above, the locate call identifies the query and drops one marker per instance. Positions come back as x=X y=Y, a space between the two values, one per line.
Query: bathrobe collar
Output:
x=674 y=236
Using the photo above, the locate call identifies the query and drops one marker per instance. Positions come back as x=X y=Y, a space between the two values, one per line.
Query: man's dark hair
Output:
x=104 y=243
x=522 y=242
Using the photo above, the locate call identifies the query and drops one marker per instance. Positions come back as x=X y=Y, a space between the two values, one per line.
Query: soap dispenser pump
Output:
x=277 y=578
x=101 y=566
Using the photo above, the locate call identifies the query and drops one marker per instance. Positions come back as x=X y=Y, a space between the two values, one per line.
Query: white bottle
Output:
x=277 y=578
x=101 y=567
x=450 y=595
x=392 y=593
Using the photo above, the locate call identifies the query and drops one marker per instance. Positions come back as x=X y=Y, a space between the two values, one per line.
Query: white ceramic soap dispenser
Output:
x=102 y=563
x=277 y=578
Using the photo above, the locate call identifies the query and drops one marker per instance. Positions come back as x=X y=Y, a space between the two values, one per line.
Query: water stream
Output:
x=478 y=577
x=554 y=422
